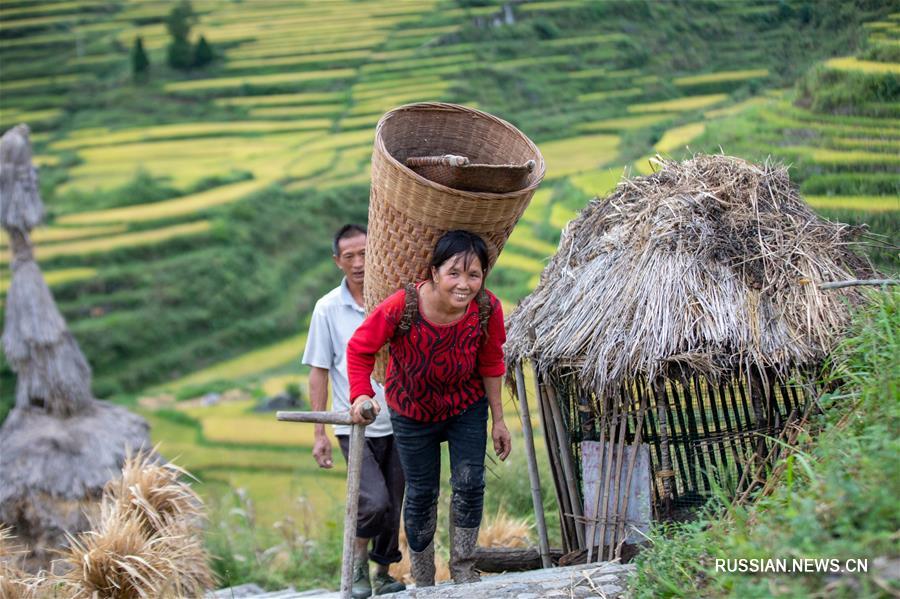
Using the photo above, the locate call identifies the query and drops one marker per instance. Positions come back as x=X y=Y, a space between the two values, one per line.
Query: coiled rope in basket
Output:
x=408 y=212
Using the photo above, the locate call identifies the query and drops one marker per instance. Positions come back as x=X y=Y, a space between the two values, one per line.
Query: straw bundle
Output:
x=146 y=541
x=712 y=265
x=20 y=203
x=59 y=445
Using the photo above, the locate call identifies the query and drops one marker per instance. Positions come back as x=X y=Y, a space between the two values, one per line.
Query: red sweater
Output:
x=434 y=371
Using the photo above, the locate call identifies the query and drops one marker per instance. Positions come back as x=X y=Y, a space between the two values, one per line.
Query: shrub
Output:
x=203 y=53
x=140 y=64
x=846 y=92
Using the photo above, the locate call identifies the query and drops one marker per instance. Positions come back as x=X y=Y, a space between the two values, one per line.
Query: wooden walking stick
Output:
x=354 y=465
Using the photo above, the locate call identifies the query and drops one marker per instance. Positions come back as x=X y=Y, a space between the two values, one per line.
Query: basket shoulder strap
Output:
x=410 y=311
x=484 y=311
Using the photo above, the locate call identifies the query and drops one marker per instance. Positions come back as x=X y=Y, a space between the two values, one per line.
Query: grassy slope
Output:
x=837 y=498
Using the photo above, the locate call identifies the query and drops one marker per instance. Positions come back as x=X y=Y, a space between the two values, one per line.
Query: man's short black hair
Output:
x=345 y=232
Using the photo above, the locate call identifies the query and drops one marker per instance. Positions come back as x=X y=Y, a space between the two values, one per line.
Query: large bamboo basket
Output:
x=408 y=213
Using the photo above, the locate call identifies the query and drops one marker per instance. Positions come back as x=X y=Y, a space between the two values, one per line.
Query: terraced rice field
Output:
x=679 y=105
x=293 y=103
x=169 y=209
x=114 y=242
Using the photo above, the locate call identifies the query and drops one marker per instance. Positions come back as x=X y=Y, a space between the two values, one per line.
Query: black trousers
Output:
x=419 y=444
x=380 y=497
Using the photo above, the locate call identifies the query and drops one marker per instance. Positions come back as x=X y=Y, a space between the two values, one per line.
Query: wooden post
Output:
x=592 y=534
x=635 y=446
x=354 y=465
x=565 y=449
x=533 y=474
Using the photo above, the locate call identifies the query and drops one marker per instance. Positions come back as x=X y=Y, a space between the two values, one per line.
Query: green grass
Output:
x=834 y=498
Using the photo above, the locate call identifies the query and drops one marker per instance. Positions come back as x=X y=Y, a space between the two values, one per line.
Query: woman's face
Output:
x=456 y=282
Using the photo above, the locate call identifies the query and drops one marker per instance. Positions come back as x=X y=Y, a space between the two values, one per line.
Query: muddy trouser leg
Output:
x=419 y=446
x=467 y=438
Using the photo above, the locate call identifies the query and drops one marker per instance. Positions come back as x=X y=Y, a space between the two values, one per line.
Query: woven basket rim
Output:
x=540 y=169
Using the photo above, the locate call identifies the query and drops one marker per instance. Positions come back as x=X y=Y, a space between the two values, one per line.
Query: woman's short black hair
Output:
x=458 y=241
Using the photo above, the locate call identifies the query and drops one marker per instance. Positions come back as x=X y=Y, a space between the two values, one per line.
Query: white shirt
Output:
x=334 y=320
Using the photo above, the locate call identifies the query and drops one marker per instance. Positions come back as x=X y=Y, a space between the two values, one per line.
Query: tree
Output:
x=140 y=64
x=179 y=22
x=203 y=53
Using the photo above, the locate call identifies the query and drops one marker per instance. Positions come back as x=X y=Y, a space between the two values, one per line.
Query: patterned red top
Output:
x=434 y=371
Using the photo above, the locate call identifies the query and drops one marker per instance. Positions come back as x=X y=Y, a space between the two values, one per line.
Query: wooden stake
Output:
x=604 y=417
x=568 y=533
x=533 y=475
x=606 y=470
x=566 y=458
x=635 y=447
x=665 y=460
x=619 y=457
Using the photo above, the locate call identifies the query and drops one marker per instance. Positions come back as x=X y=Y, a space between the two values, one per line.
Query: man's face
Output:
x=351 y=257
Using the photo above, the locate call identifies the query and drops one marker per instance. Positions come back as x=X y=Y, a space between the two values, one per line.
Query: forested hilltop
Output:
x=192 y=187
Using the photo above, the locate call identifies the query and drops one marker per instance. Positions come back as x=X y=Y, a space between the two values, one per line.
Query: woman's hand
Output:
x=356 y=410
x=502 y=441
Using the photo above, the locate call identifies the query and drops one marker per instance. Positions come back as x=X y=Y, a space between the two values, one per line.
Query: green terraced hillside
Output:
x=189 y=212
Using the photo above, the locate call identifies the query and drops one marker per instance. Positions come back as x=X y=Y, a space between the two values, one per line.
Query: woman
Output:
x=446 y=365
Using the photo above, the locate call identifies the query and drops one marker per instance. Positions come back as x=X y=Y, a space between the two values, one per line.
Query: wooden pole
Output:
x=855 y=282
x=617 y=475
x=562 y=498
x=592 y=534
x=533 y=475
x=606 y=466
x=351 y=508
x=635 y=447
x=565 y=449
x=667 y=475
x=354 y=466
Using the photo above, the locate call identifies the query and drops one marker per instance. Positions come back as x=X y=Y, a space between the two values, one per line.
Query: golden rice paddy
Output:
x=851 y=63
x=328 y=57
x=522 y=239
x=183 y=206
x=252 y=363
x=560 y=216
x=296 y=111
x=720 y=77
x=624 y=123
x=509 y=259
x=736 y=108
x=578 y=154
x=258 y=80
x=677 y=137
x=606 y=95
x=114 y=242
x=283 y=99
x=826 y=156
x=41 y=82
x=600 y=182
x=862 y=203
x=190 y=131
x=679 y=104
x=53 y=234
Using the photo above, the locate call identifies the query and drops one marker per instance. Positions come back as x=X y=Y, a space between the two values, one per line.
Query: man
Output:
x=334 y=320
